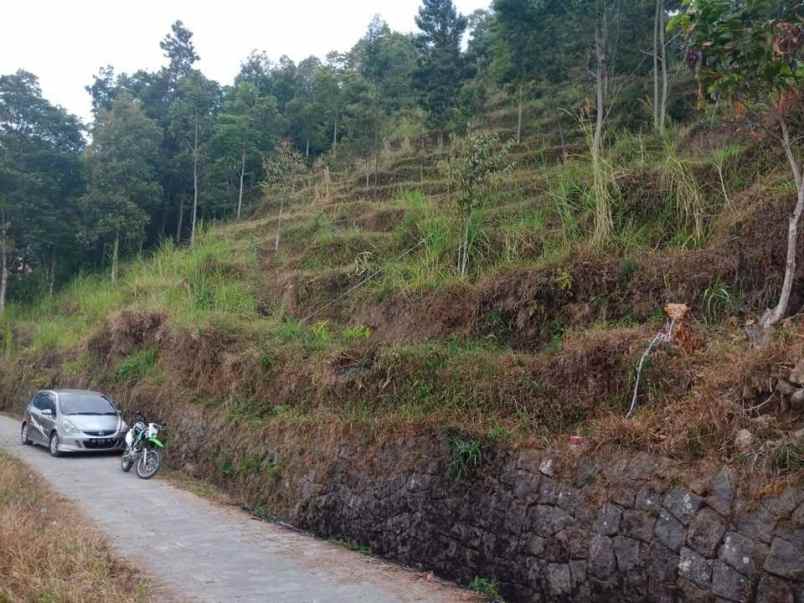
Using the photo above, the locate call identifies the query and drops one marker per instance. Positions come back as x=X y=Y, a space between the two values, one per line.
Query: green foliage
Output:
x=486 y=587
x=683 y=191
x=41 y=178
x=431 y=238
x=123 y=184
x=720 y=158
x=321 y=332
x=476 y=166
x=6 y=337
x=719 y=302
x=352 y=545
x=441 y=68
x=500 y=434
x=788 y=457
x=356 y=333
x=248 y=127
x=466 y=454
x=750 y=51
x=387 y=59
x=569 y=192
x=136 y=366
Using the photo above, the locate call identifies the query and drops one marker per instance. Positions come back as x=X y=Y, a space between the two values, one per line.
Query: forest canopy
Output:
x=169 y=148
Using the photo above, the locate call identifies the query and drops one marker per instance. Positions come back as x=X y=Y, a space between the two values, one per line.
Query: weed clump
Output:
x=466 y=454
x=137 y=366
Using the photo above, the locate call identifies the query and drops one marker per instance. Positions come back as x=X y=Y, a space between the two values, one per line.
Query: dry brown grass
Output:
x=48 y=553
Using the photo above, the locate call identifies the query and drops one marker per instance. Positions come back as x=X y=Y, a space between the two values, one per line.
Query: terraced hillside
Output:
x=327 y=364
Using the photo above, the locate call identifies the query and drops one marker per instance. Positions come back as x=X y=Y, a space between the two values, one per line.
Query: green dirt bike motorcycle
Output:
x=143 y=448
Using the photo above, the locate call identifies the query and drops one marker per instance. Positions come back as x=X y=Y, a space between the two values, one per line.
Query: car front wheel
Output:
x=24 y=437
x=54 y=445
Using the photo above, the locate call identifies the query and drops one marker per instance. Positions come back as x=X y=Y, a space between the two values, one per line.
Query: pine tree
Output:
x=441 y=69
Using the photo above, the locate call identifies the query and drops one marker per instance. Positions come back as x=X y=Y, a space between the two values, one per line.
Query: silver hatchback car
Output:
x=69 y=420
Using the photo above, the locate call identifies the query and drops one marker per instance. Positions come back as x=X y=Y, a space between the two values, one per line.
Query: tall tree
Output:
x=364 y=120
x=387 y=59
x=329 y=90
x=248 y=126
x=165 y=97
x=304 y=117
x=178 y=47
x=191 y=123
x=517 y=47
x=751 y=53
x=598 y=25
x=441 y=68
x=40 y=177
x=102 y=90
x=123 y=183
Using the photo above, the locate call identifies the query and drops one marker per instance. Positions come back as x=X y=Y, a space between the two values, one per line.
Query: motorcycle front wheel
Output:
x=148 y=464
x=126 y=461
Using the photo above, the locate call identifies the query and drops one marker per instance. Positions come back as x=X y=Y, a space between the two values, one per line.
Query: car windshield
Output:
x=86 y=404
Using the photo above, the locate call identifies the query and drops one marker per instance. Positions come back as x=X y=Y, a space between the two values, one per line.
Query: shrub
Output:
x=486 y=587
x=465 y=455
x=137 y=366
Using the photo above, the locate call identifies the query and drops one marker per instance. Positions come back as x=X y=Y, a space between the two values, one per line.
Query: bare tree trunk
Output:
x=656 y=75
x=115 y=256
x=465 y=254
x=195 y=184
x=773 y=316
x=603 y=218
x=181 y=219
x=51 y=281
x=335 y=137
x=3 y=262
x=665 y=69
x=242 y=177
x=519 y=117
x=601 y=76
x=307 y=149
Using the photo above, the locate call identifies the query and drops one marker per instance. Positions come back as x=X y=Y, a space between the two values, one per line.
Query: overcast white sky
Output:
x=64 y=43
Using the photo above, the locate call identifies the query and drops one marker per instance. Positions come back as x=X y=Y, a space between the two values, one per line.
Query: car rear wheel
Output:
x=54 y=445
x=24 y=437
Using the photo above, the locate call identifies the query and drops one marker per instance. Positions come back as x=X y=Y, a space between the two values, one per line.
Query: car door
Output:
x=48 y=420
x=37 y=431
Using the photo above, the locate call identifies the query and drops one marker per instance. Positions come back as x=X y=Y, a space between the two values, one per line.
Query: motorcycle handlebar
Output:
x=139 y=417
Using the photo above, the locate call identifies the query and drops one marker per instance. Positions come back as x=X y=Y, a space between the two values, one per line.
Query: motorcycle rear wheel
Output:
x=148 y=464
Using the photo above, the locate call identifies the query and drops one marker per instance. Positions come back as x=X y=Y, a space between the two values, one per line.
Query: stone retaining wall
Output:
x=615 y=531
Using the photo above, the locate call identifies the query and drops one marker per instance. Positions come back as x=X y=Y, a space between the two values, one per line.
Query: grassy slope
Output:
x=66 y=562
x=539 y=342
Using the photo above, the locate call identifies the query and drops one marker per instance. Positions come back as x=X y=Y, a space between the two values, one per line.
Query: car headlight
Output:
x=70 y=428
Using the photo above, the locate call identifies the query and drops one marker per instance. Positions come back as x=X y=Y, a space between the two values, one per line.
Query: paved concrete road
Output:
x=206 y=552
